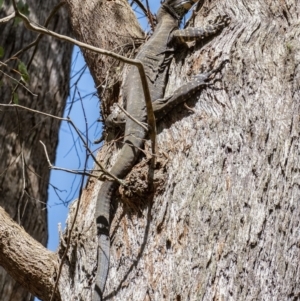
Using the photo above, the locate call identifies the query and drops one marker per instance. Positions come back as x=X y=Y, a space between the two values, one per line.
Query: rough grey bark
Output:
x=24 y=174
x=224 y=225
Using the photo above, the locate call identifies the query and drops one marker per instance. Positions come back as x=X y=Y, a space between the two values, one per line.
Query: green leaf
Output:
x=16 y=98
x=24 y=73
x=1 y=3
x=1 y=50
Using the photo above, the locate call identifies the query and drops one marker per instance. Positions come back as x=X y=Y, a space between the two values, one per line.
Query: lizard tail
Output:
x=103 y=225
x=125 y=161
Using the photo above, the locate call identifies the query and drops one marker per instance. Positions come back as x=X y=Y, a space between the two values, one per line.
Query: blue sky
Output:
x=70 y=153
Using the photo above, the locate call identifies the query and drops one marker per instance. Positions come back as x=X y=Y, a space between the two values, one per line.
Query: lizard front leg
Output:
x=162 y=106
x=198 y=33
x=116 y=119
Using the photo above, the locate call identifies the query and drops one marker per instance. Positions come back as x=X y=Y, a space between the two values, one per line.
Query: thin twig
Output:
x=36 y=42
x=132 y=118
x=5 y=74
x=33 y=110
x=141 y=6
x=146 y=11
x=77 y=172
x=150 y=16
x=104 y=170
x=69 y=232
x=137 y=63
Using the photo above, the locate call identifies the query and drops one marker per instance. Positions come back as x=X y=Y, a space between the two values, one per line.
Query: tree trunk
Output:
x=224 y=223
x=25 y=175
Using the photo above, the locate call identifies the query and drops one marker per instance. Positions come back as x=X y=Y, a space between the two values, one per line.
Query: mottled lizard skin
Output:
x=156 y=56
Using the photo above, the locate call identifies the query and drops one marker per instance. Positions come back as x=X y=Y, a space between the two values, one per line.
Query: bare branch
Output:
x=150 y=16
x=36 y=41
x=147 y=12
x=103 y=169
x=141 y=6
x=33 y=110
x=75 y=216
x=8 y=18
x=150 y=114
x=26 y=260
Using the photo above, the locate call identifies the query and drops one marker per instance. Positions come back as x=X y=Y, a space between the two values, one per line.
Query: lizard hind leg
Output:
x=116 y=119
x=162 y=106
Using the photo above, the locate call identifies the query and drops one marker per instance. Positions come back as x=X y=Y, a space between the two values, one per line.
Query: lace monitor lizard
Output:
x=156 y=56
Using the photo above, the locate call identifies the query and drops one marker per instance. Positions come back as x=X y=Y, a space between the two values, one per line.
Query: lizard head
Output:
x=178 y=8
